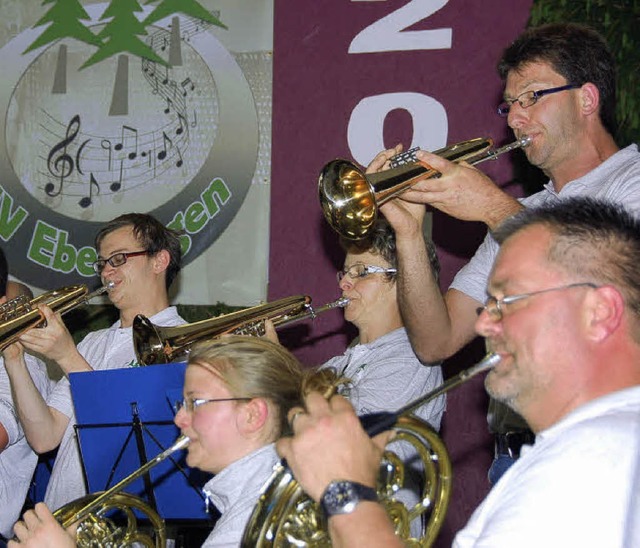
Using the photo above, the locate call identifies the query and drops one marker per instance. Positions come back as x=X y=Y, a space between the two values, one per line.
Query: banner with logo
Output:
x=158 y=106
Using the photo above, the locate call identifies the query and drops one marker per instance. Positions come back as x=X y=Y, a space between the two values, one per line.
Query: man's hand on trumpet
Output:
x=55 y=342
x=406 y=217
x=462 y=191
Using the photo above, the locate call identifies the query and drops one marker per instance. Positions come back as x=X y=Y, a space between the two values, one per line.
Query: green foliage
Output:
x=619 y=22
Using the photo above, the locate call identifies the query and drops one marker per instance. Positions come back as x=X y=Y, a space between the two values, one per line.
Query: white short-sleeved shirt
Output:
x=385 y=375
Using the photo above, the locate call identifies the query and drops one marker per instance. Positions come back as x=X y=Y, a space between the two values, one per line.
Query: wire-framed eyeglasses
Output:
x=360 y=270
x=191 y=404
x=494 y=306
x=530 y=98
x=117 y=259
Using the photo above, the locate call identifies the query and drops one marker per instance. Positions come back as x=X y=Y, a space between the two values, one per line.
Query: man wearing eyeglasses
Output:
x=138 y=259
x=563 y=315
x=560 y=93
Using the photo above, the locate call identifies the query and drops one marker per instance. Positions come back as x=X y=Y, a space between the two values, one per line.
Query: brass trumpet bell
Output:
x=350 y=198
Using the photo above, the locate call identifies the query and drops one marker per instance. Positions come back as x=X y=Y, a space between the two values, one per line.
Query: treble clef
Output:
x=59 y=162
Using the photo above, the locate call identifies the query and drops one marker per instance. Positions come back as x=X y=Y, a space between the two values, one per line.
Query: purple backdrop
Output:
x=316 y=86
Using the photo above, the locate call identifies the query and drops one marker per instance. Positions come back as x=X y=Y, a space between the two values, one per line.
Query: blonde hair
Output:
x=255 y=367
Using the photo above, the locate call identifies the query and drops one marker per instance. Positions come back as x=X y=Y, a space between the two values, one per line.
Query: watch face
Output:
x=341 y=497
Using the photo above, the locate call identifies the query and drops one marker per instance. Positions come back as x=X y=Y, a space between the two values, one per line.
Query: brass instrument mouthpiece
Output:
x=524 y=141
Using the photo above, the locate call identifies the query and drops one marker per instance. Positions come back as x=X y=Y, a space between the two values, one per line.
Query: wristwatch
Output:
x=342 y=497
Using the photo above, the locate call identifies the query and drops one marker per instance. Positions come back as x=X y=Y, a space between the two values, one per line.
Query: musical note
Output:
x=149 y=67
x=115 y=186
x=106 y=145
x=164 y=44
x=179 y=162
x=169 y=104
x=195 y=118
x=163 y=153
x=183 y=123
x=88 y=200
x=165 y=80
x=62 y=165
x=185 y=83
x=132 y=132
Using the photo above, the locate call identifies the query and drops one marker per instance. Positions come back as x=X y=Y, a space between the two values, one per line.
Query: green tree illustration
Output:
x=64 y=18
x=190 y=8
x=120 y=37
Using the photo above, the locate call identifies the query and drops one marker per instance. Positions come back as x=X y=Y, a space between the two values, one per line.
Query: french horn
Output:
x=154 y=344
x=350 y=198
x=93 y=513
x=286 y=517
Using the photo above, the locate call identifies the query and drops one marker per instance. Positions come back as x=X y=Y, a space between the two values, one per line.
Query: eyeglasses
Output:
x=360 y=270
x=117 y=259
x=191 y=404
x=530 y=98
x=494 y=306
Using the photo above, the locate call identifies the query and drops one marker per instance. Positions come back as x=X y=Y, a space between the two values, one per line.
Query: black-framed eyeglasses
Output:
x=493 y=306
x=530 y=98
x=117 y=259
x=191 y=404
x=360 y=270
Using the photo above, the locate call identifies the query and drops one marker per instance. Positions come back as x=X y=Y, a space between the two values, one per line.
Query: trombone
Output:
x=154 y=344
x=350 y=198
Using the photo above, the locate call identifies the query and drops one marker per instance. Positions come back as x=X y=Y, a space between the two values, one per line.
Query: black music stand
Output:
x=124 y=418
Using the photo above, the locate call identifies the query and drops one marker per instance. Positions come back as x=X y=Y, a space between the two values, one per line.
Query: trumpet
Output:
x=155 y=344
x=350 y=198
x=21 y=314
x=96 y=530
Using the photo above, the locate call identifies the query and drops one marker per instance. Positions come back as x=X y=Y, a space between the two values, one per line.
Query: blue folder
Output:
x=107 y=404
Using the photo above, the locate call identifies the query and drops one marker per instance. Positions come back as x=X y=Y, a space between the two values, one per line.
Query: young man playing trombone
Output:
x=138 y=258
